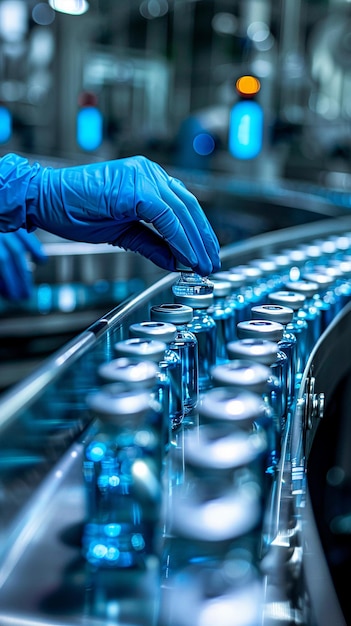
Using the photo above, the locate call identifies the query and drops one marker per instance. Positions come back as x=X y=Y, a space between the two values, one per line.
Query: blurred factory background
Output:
x=158 y=72
x=91 y=80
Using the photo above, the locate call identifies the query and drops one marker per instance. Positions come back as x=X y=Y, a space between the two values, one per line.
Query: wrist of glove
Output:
x=132 y=203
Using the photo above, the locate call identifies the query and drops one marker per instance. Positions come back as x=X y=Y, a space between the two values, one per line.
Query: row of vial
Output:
x=191 y=414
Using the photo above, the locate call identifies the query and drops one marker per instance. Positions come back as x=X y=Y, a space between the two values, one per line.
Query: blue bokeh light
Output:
x=96 y=451
x=246 y=130
x=5 y=124
x=89 y=128
x=203 y=144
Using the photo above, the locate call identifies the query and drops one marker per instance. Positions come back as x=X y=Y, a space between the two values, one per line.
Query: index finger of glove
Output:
x=187 y=237
x=193 y=205
x=171 y=188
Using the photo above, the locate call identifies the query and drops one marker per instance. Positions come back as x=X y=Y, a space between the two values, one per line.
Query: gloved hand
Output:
x=16 y=280
x=112 y=202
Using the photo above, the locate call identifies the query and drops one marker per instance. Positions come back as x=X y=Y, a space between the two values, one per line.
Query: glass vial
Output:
x=122 y=479
x=309 y=311
x=247 y=375
x=288 y=344
x=197 y=292
x=139 y=374
x=325 y=299
x=142 y=349
x=185 y=344
x=223 y=315
x=236 y=299
x=297 y=326
x=276 y=359
x=219 y=478
x=166 y=333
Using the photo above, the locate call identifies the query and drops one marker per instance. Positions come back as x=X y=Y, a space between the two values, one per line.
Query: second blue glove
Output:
x=16 y=248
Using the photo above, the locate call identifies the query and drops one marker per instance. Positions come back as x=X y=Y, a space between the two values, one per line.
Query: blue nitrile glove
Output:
x=110 y=202
x=16 y=280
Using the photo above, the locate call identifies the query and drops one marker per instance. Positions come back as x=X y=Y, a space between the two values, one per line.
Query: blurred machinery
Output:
x=153 y=64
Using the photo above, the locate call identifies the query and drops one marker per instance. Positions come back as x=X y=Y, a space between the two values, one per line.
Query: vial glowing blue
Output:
x=203 y=144
x=112 y=530
x=246 y=130
x=96 y=451
x=5 y=124
x=89 y=128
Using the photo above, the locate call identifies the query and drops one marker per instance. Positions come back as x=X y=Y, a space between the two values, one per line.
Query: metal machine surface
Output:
x=44 y=423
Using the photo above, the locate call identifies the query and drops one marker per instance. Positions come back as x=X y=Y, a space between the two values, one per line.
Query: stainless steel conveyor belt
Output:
x=43 y=426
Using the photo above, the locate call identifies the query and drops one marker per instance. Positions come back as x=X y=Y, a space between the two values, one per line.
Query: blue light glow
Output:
x=246 y=130
x=112 y=530
x=44 y=298
x=203 y=144
x=5 y=124
x=89 y=128
x=96 y=451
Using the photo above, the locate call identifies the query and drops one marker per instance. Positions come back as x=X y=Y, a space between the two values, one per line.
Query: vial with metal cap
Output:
x=141 y=349
x=309 y=311
x=220 y=478
x=265 y=352
x=122 y=475
x=226 y=411
x=197 y=292
x=297 y=326
x=171 y=361
x=283 y=261
x=223 y=315
x=288 y=344
x=326 y=298
x=144 y=374
x=245 y=374
x=270 y=271
x=256 y=285
x=233 y=415
x=229 y=592
x=185 y=344
x=275 y=358
x=236 y=299
x=171 y=365
x=340 y=269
